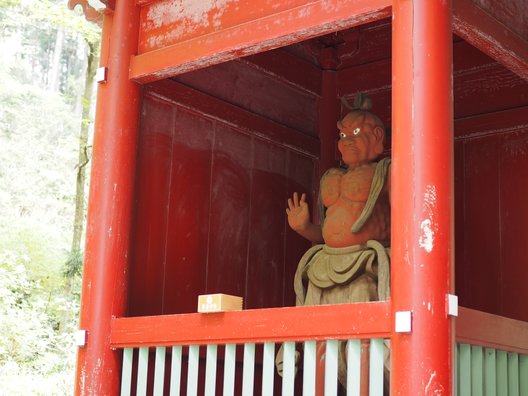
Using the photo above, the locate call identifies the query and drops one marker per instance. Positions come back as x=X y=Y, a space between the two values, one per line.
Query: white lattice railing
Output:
x=480 y=371
x=491 y=372
x=492 y=355
x=167 y=355
x=168 y=380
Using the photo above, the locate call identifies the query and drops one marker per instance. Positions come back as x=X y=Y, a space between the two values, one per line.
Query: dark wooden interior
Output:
x=222 y=148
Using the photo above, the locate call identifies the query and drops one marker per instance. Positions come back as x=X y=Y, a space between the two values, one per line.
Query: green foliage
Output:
x=47 y=14
x=6 y=7
x=34 y=357
x=38 y=136
x=39 y=129
x=6 y=4
x=33 y=27
x=73 y=265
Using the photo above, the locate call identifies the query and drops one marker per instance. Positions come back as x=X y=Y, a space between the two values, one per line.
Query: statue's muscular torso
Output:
x=345 y=194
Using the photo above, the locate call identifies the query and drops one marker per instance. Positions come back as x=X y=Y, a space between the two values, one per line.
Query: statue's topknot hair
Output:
x=361 y=102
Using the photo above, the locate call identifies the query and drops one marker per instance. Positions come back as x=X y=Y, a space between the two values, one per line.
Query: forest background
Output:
x=48 y=56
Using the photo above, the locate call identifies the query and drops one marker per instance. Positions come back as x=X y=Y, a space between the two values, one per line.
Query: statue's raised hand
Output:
x=298 y=212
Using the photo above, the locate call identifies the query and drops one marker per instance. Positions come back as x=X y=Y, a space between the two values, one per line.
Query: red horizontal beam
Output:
x=498 y=122
x=469 y=64
x=264 y=31
x=240 y=119
x=344 y=321
x=492 y=37
x=492 y=331
x=167 y=22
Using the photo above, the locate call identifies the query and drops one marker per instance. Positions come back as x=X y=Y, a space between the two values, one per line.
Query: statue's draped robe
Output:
x=358 y=273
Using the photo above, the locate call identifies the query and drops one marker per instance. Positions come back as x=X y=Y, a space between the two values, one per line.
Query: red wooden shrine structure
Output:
x=211 y=113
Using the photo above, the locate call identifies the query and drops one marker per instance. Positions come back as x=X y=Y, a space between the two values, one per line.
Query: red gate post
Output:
x=328 y=117
x=422 y=196
x=104 y=290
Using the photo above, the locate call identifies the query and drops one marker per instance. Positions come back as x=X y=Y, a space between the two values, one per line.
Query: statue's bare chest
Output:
x=351 y=185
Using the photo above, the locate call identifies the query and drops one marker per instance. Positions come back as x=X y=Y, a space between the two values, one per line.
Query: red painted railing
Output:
x=369 y=320
x=491 y=331
x=476 y=332
x=344 y=321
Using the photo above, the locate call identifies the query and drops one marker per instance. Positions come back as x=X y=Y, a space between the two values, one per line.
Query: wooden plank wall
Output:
x=222 y=148
x=214 y=174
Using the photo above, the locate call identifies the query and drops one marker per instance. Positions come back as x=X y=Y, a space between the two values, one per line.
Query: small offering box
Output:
x=209 y=303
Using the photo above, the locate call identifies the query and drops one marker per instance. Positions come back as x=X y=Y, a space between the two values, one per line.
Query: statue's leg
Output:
x=364 y=367
x=279 y=360
x=313 y=297
x=362 y=289
x=320 y=368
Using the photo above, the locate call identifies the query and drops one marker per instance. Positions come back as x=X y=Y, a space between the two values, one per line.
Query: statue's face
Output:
x=360 y=140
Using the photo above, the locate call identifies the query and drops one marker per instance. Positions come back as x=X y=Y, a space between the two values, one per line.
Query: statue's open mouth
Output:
x=351 y=148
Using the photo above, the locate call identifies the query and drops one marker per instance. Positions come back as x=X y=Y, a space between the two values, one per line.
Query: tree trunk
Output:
x=78 y=223
x=73 y=266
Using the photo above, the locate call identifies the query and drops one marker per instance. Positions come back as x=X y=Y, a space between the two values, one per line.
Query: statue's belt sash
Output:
x=325 y=267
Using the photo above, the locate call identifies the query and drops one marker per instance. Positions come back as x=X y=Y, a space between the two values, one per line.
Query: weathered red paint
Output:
x=104 y=292
x=491 y=331
x=422 y=196
x=261 y=26
x=342 y=321
x=166 y=22
x=328 y=115
x=492 y=36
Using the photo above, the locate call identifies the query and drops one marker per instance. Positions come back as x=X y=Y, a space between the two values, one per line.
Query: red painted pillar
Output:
x=328 y=117
x=328 y=114
x=104 y=291
x=422 y=195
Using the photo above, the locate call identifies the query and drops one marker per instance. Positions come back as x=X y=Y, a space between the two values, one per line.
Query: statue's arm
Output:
x=312 y=232
x=298 y=214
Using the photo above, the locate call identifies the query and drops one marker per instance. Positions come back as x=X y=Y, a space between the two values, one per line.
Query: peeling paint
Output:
x=96 y=375
x=426 y=240
x=181 y=18
x=430 y=197
x=82 y=380
x=431 y=378
x=196 y=12
x=209 y=13
x=488 y=44
x=434 y=388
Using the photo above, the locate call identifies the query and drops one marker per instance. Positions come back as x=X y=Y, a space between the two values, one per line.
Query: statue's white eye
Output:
x=356 y=131
x=342 y=135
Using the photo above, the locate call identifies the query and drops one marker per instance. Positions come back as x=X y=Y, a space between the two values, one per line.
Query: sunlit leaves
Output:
x=38 y=155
